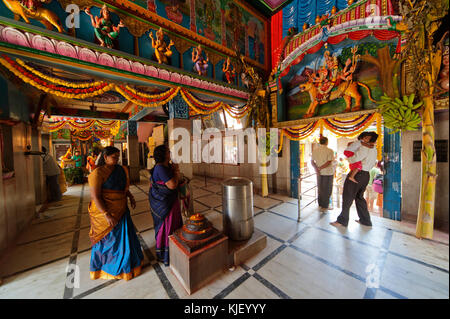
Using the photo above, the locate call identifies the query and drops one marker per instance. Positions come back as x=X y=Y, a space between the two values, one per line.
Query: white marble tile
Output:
x=271 y=246
x=252 y=289
x=36 y=253
x=140 y=197
x=413 y=280
x=141 y=206
x=146 y=286
x=45 y=282
x=43 y=230
x=214 y=188
x=142 y=221
x=424 y=250
x=199 y=208
x=382 y=295
x=149 y=239
x=277 y=226
x=85 y=283
x=371 y=235
x=344 y=253
x=84 y=242
x=283 y=198
x=286 y=209
x=212 y=200
x=50 y=215
x=264 y=202
x=301 y=276
x=198 y=192
x=85 y=221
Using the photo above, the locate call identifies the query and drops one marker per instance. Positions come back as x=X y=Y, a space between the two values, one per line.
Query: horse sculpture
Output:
x=48 y=18
x=346 y=90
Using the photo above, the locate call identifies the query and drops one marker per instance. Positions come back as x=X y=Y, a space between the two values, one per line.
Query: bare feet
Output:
x=353 y=180
x=336 y=224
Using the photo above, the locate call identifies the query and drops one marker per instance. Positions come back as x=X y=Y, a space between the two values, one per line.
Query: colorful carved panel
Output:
x=336 y=79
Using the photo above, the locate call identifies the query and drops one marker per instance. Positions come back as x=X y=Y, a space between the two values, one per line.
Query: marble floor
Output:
x=306 y=259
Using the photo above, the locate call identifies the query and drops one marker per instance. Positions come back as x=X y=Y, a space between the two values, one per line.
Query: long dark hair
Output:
x=107 y=151
x=159 y=154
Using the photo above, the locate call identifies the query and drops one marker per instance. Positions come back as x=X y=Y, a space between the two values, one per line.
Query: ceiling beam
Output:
x=61 y=111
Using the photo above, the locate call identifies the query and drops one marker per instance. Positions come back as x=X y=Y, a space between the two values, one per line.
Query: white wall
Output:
x=411 y=172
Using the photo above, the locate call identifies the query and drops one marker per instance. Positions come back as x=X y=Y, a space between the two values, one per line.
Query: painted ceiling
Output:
x=268 y=7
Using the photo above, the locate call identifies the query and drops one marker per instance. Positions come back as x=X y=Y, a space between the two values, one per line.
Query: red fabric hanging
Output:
x=337 y=38
x=358 y=35
x=276 y=27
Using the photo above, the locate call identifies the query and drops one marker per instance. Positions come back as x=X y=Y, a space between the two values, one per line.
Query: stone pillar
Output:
x=133 y=151
x=179 y=117
x=39 y=178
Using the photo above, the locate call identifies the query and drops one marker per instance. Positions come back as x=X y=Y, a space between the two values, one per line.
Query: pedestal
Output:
x=196 y=269
x=240 y=251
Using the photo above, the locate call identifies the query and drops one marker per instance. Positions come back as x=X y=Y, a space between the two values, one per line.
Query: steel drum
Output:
x=237 y=208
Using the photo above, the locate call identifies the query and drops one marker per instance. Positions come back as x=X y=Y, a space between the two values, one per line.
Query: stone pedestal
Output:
x=240 y=251
x=194 y=270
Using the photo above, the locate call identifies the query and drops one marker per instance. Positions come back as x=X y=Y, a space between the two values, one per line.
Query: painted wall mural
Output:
x=334 y=80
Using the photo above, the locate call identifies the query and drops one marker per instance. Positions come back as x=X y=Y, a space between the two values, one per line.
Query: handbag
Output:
x=377 y=185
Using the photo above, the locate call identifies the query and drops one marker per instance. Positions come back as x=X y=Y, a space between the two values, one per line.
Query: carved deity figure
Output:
x=33 y=9
x=104 y=29
x=229 y=72
x=162 y=50
x=200 y=64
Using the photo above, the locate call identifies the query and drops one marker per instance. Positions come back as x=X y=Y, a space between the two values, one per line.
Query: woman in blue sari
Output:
x=164 y=203
x=116 y=251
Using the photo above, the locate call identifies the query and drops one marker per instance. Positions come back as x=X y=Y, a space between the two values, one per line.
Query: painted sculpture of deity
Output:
x=33 y=9
x=200 y=64
x=331 y=83
x=327 y=76
x=162 y=50
x=229 y=72
x=104 y=29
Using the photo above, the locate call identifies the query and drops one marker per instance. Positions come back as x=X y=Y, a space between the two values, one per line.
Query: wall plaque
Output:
x=441 y=151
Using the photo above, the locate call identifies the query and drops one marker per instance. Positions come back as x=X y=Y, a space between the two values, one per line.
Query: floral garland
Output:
x=76 y=125
x=66 y=89
x=200 y=107
x=341 y=127
x=61 y=91
x=140 y=98
x=56 y=80
x=350 y=129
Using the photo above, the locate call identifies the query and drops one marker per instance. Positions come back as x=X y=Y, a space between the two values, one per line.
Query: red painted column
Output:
x=276 y=30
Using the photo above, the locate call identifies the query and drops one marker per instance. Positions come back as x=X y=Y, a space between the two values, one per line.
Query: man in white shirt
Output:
x=322 y=160
x=367 y=154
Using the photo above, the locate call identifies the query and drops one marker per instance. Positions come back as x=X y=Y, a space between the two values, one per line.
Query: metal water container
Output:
x=237 y=208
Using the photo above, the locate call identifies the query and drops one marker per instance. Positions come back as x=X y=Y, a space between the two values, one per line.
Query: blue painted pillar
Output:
x=392 y=192
x=295 y=167
x=178 y=108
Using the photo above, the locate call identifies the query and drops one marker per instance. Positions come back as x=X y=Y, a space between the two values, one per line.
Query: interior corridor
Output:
x=310 y=259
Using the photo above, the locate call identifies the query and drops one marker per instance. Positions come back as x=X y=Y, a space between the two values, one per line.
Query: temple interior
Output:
x=249 y=108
